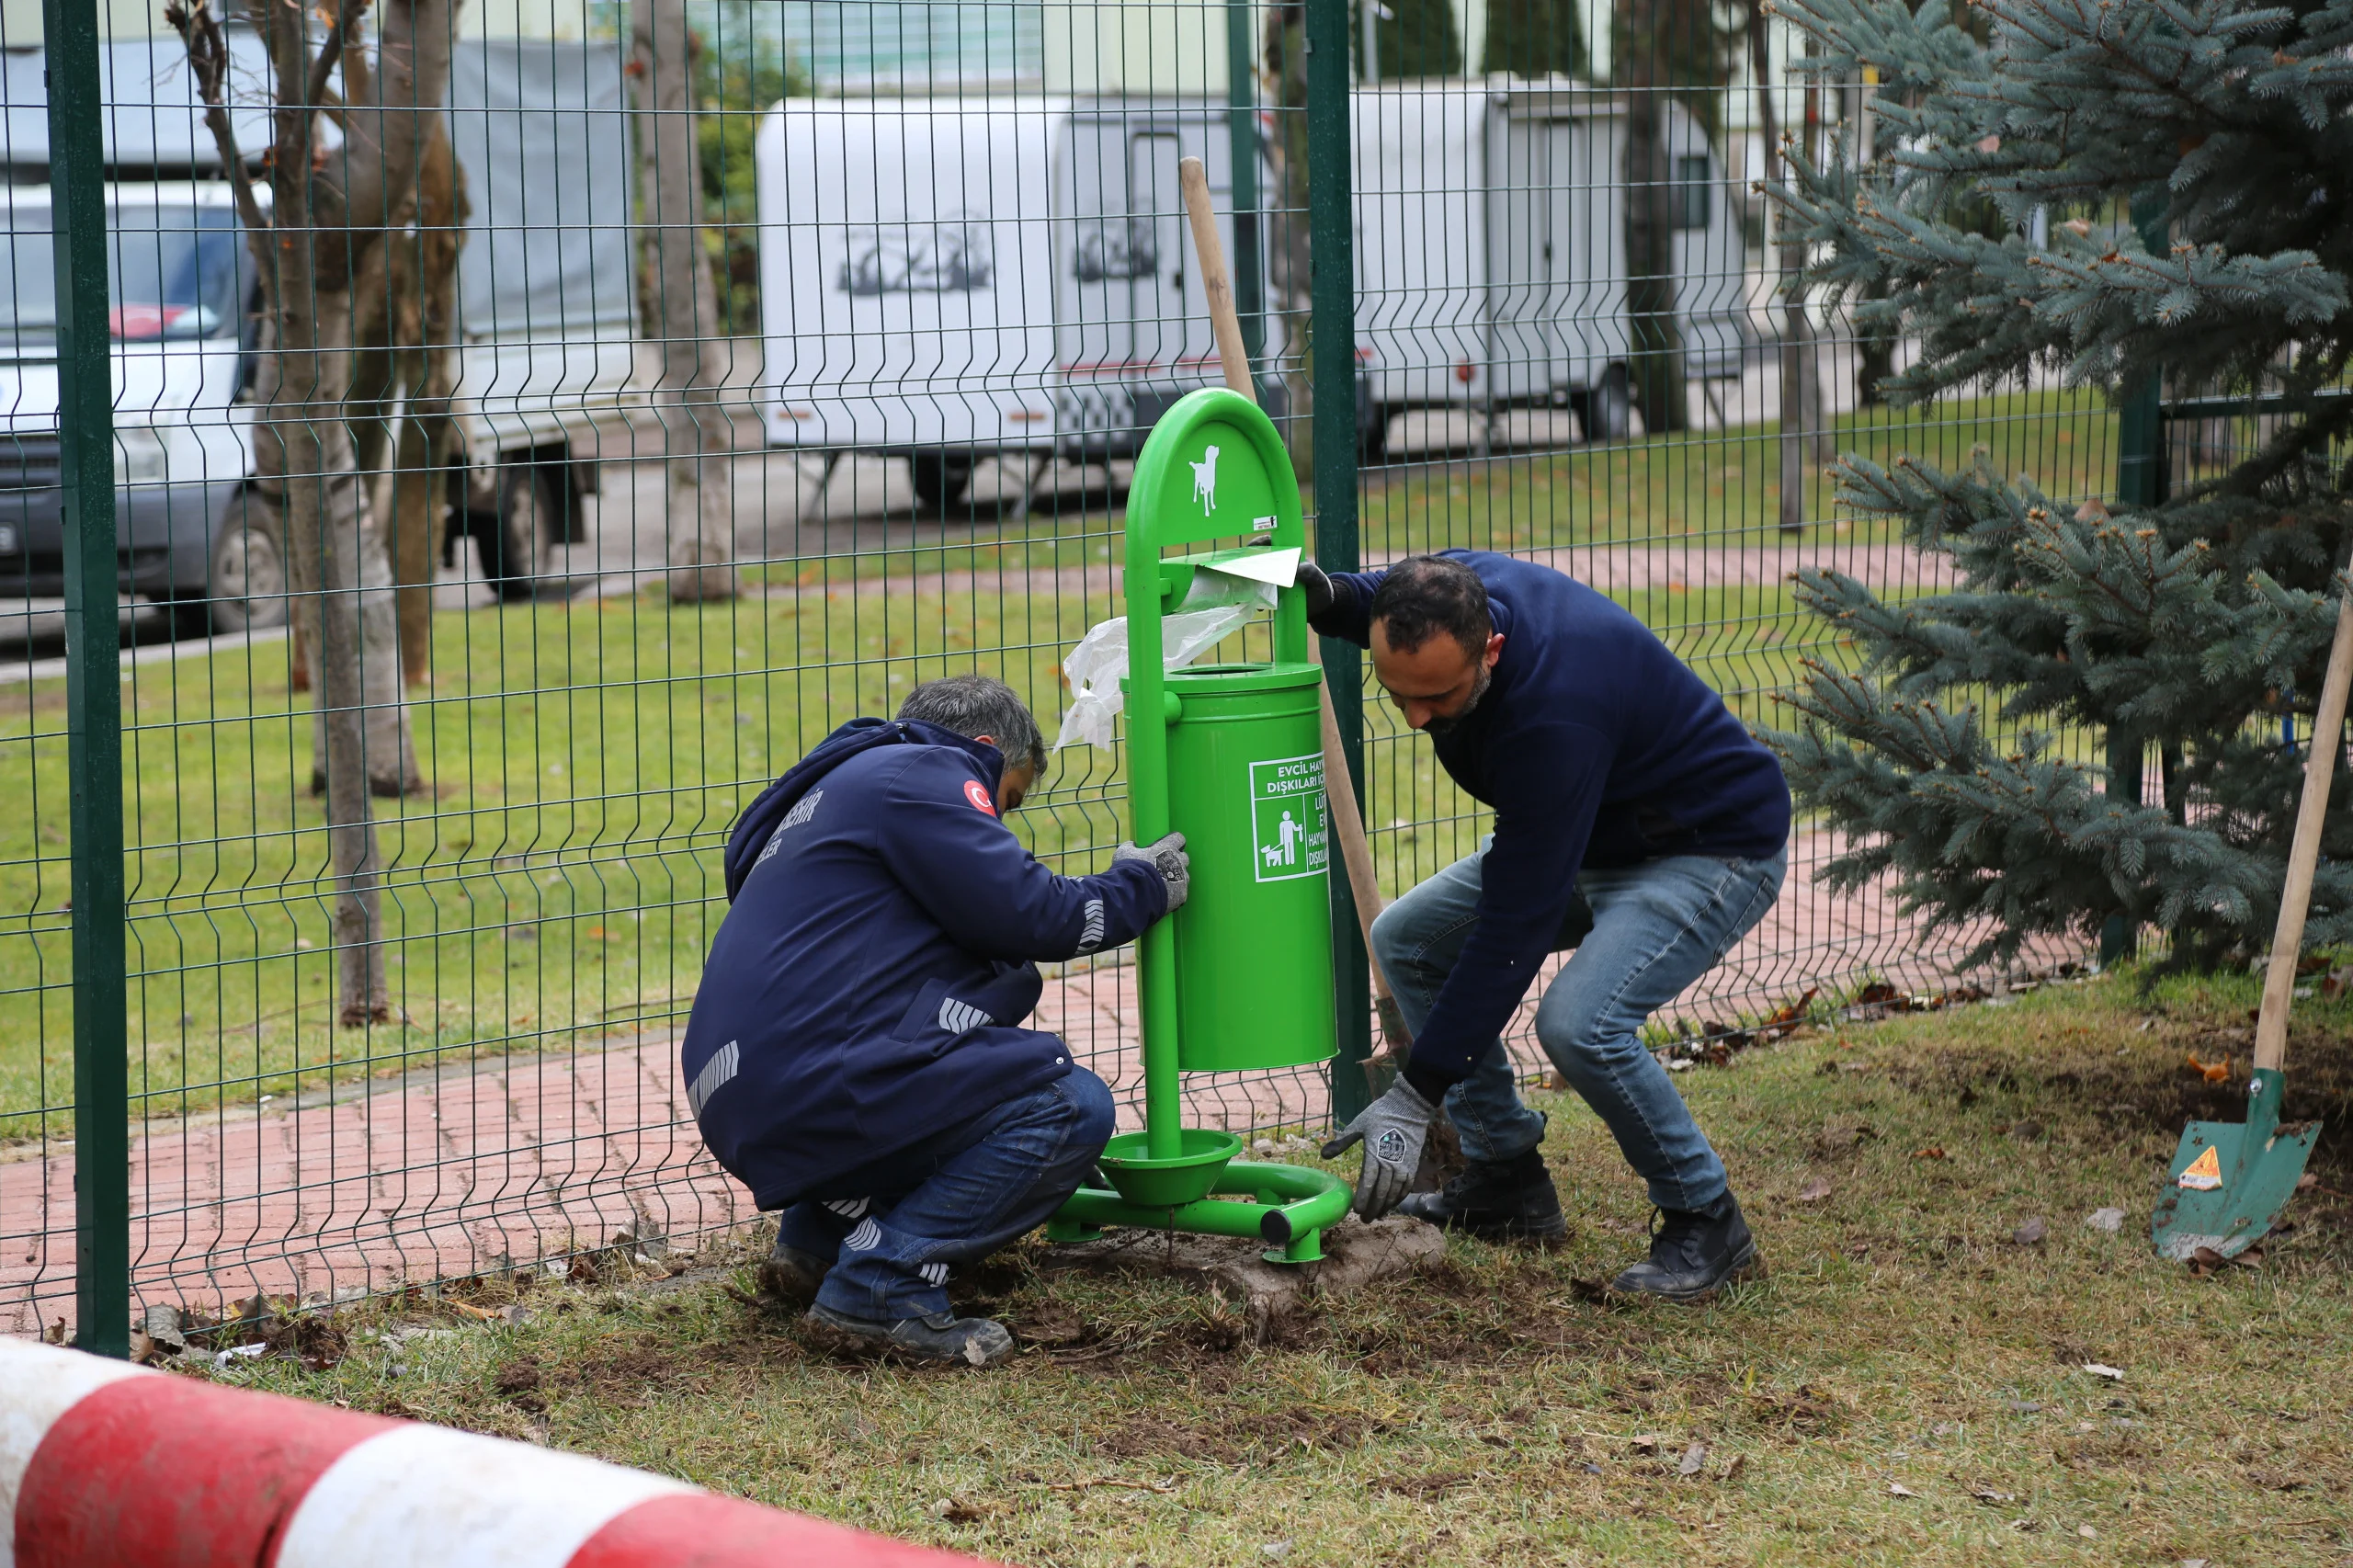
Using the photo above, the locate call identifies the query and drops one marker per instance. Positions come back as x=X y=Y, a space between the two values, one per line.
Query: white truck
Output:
x=547 y=307
x=951 y=280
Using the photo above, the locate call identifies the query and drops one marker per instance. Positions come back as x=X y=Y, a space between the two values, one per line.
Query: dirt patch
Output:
x=628 y=1369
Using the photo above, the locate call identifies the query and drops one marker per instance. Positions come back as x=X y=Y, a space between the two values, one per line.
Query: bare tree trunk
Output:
x=425 y=280
x=327 y=216
x=1801 y=382
x=1289 y=275
x=697 y=432
x=1659 y=386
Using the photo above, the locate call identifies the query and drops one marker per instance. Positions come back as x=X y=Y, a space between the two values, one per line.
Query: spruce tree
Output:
x=1961 y=749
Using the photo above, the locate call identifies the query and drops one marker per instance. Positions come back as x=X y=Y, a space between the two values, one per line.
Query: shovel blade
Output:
x=2224 y=1192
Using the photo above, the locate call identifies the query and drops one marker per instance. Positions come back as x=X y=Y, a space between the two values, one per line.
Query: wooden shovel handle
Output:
x=1339 y=785
x=2304 y=853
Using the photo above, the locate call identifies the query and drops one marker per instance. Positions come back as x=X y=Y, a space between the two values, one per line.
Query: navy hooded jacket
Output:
x=1596 y=746
x=866 y=990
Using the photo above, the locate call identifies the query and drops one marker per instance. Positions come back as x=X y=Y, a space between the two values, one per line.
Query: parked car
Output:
x=547 y=310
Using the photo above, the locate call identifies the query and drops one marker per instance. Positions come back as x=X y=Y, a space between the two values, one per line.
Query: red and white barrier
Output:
x=106 y=1465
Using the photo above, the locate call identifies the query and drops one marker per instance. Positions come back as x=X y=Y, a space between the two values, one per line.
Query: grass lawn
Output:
x=1494 y=1412
x=558 y=884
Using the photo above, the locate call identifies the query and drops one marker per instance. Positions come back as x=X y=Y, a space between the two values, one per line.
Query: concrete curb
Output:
x=107 y=1465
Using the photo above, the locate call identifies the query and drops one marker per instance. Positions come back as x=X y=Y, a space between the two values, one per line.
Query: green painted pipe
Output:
x=1292 y=1201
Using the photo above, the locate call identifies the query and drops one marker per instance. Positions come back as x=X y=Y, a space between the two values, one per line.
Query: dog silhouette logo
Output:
x=1205 y=482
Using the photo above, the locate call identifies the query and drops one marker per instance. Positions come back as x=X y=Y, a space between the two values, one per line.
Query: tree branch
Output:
x=208 y=59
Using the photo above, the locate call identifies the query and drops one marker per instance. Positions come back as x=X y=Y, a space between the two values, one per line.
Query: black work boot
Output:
x=942 y=1337
x=792 y=1275
x=1694 y=1254
x=1498 y=1199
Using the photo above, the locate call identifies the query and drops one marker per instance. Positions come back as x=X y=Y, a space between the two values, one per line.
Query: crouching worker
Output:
x=856 y=1055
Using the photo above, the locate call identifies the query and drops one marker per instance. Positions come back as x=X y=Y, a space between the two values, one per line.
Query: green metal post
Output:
x=2141 y=475
x=93 y=673
x=1332 y=242
x=1242 y=118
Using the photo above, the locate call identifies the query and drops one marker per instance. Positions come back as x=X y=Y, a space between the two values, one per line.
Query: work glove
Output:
x=1392 y=1129
x=1168 y=857
x=1316 y=586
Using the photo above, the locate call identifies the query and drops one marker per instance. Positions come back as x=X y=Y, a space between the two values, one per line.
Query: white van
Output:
x=547 y=308
x=948 y=281
x=1491 y=260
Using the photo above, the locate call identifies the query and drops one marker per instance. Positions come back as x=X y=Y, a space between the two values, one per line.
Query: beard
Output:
x=1453 y=720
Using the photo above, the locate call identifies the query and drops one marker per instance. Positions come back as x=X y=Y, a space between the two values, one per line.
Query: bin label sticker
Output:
x=1291 y=828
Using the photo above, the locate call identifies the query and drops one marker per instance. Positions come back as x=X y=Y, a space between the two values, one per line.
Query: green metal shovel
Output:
x=2230 y=1180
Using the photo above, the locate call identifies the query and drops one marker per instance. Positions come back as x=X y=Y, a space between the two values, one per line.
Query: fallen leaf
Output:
x=1933 y=1151
x=2304 y=1183
x=2030 y=1234
x=2088 y=1532
x=1695 y=1459
x=480 y=1314
x=2108 y=1220
x=2098 y=1369
x=1734 y=1465
x=2026 y=1407
x=1987 y=1495
x=1645 y=1443
x=1897 y=1489
x=1815 y=1190
x=2212 y=1072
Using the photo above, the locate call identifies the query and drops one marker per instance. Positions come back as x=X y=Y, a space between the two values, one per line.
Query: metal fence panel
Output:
x=634 y=392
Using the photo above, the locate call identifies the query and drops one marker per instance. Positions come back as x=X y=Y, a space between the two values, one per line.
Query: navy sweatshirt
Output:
x=1596 y=746
x=867 y=988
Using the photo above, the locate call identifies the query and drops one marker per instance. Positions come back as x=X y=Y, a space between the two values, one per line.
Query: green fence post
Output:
x=1242 y=122
x=2140 y=474
x=1331 y=246
x=93 y=676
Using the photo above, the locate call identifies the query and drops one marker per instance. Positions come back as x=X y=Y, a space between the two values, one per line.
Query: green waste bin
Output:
x=1229 y=755
x=1253 y=942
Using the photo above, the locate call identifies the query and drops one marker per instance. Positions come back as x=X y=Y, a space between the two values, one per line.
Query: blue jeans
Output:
x=891 y=1229
x=1657 y=927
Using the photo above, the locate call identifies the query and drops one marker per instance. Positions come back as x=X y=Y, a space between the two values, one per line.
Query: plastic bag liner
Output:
x=1214 y=608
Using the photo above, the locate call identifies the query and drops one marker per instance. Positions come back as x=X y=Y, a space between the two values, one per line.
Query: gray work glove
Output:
x=1167 y=857
x=1392 y=1129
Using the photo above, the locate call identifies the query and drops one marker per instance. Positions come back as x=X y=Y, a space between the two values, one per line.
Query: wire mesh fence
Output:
x=536 y=425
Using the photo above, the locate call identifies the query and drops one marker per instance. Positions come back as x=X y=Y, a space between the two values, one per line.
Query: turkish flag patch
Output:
x=978 y=793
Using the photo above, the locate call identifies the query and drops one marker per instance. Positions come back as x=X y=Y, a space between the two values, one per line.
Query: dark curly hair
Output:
x=1428 y=596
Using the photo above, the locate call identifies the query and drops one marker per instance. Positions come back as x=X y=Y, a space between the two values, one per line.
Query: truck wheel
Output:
x=1607 y=411
x=512 y=540
x=245 y=581
x=940 y=480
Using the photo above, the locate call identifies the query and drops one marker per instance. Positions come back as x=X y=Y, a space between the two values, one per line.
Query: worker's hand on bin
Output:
x=1167 y=856
x=1392 y=1129
x=1315 y=586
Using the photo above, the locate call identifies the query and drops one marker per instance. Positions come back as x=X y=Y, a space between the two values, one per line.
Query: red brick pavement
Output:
x=470 y=1167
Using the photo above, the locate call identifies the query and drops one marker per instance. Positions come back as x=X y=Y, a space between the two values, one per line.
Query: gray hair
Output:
x=974 y=706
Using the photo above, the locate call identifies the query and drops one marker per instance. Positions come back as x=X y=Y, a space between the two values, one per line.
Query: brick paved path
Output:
x=467 y=1167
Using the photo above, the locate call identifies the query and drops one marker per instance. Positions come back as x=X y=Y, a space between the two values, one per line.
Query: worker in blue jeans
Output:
x=1636 y=820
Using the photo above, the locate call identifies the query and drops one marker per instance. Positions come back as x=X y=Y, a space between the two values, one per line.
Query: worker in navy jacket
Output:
x=1636 y=819
x=857 y=1054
